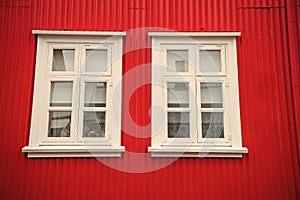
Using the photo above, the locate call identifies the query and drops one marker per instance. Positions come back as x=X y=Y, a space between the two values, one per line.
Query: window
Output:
x=195 y=102
x=77 y=95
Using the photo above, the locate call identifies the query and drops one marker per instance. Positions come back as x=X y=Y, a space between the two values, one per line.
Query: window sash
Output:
x=190 y=62
x=109 y=60
x=78 y=76
x=62 y=46
x=223 y=109
x=192 y=112
x=82 y=109
x=222 y=49
x=46 y=112
x=193 y=76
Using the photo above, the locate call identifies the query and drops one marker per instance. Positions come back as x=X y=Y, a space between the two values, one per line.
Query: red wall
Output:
x=269 y=171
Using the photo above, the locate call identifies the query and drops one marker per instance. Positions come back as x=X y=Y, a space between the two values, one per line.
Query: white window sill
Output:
x=187 y=151
x=73 y=151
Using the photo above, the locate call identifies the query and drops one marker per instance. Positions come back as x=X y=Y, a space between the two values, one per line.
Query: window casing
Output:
x=195 y=102
x=77 y=79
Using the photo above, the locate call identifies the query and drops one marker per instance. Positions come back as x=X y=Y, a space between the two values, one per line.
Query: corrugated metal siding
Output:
x=269 y=171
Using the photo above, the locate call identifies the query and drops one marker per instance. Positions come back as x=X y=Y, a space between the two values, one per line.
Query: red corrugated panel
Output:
x=294 y=60
x=104 y=15
x=269 y=171
x=260 y=4
x=213 y=15
x=15 y=3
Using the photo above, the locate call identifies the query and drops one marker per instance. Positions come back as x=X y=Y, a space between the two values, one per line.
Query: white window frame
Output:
x=40 y=145
x=196 y=146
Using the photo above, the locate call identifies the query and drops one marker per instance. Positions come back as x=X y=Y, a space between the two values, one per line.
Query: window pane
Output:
x=94 y=124
x=178 y=95
x=210 y=61
x=95 y=94
x=178 y=125
x=177 y=60
x=212 y=125
x=96 y=60
x=211 y=95
x=59 y=124
x=61 y=94
x=63 y=60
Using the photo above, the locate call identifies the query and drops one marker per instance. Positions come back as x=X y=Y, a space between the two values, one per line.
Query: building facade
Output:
x=268 y=63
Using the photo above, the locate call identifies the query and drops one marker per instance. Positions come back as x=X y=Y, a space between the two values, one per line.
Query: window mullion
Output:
x=79 y=92
x=193 y=108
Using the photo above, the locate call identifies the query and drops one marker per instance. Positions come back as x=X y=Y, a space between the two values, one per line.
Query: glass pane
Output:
x=212 y=125
x=210 y=61
x=178 y=95
x=59 y=123
x=178 y=125
x=211 y=95
x=61 y=94
x=96 y=60
x=94 y=124
x=177 y=60
x=63 y=60
x=95 y=94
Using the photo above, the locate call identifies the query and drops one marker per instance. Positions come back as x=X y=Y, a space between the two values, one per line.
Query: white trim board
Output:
x=196 y=34
x=96 y=33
